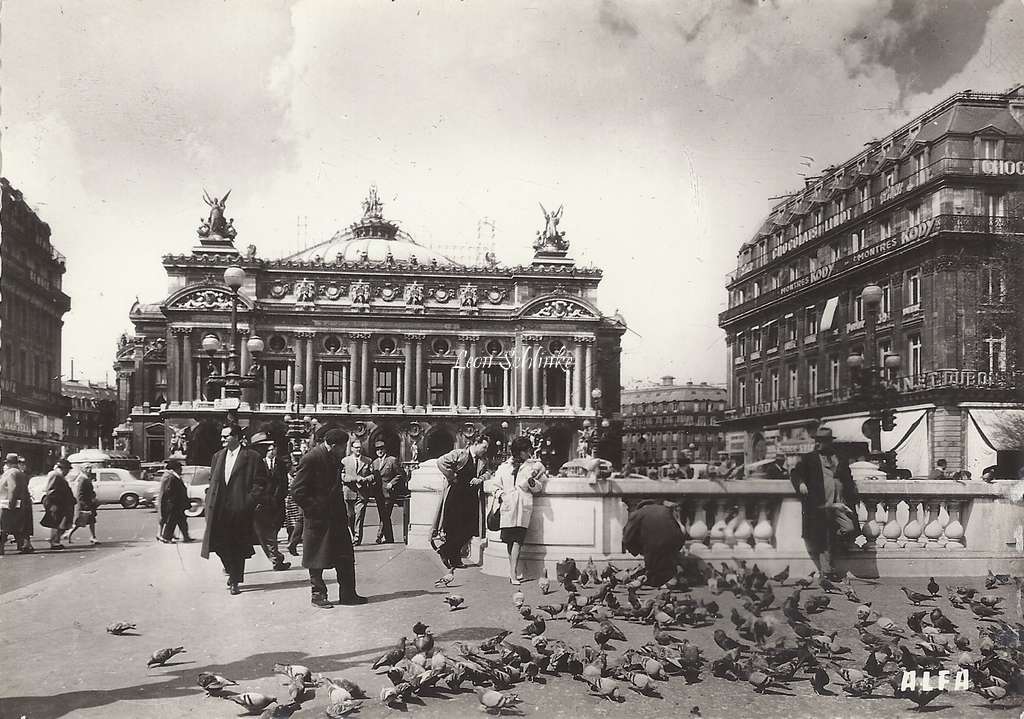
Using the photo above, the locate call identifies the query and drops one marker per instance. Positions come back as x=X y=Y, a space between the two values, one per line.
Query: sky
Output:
x=665 y=128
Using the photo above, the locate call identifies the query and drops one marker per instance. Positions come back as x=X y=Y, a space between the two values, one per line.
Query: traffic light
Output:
x=888 y=420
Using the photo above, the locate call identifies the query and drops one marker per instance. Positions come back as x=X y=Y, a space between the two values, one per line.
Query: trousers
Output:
x=841 y=525
x=345 y=571
x=235 y=567
x=377 y=495
x=175 y=521
x=295 y=536
x=266 y=532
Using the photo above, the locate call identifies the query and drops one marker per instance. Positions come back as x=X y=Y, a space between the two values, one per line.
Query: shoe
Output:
x=186 y=540
x=519 y=576
x=319 y=600
x=356 y=542
x=233 y=589
x=56 y=546
x=294 y=551
x=94 y=541
x=457 y=564
x=515 y=581
x=162 y=540
x=379 y=540
x=281 y=566
x=352 y=600
x=27 y=550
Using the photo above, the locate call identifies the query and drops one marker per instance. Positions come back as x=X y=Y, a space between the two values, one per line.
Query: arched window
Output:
x=994 y=345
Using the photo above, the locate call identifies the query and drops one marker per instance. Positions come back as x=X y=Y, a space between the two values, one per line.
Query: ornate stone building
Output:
x=661 y=422
x=377 y=334
x=933 y=215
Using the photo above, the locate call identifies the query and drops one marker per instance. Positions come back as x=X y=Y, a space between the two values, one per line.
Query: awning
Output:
x=847 y=429
x=989 y=430
x=828 y=316
x=910 y=441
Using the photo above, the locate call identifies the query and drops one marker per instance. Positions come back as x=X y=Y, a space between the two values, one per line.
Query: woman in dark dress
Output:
x=458 y=516
x=58 y=503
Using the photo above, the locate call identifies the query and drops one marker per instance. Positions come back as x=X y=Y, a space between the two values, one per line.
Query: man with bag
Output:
x=15 y=506
x=58 y=503
x=389 y=475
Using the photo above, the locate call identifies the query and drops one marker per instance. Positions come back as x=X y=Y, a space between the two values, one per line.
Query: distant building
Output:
x=92 y=416
x=32 y=307
x=932 y=213
x=660 y=422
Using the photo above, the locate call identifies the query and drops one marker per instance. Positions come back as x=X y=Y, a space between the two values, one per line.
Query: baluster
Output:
x=717 y=533
x=892 y=529
x=933 y=530
x=870 y=528
x=763 y=531
x=744 y=529
x=954 y=531
x=699 y=526
x=913 y=529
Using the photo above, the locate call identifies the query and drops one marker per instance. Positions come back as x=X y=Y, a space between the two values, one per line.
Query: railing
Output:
x=943 y=167
x=881 y=249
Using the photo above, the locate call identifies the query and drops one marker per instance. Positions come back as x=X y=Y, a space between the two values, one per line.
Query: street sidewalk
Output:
x=56 y=660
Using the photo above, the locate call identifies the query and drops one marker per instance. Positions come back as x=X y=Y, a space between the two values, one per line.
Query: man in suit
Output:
x=359 y=479
x=389 y=475
x=238 y=483
x=829 y=497
x=173 y=503
x=269 y=514
x=326 y=538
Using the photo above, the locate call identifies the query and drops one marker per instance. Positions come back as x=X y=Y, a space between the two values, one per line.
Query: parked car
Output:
x=114 y=485
x=197 y=481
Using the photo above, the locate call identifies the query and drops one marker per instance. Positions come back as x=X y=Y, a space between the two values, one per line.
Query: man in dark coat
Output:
x=652 y=530
x=777 y=469
x=326 y=538
x=173 y=503
x=238 y=480
x=829 y=497
x=389 y=475
x=457 y=519
x=58 y=503
x=269 y=514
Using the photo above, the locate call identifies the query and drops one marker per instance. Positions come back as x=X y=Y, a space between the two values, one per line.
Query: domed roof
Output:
x=372 y=239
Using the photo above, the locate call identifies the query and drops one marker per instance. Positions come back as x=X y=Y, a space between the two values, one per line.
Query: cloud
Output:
x=612 y=18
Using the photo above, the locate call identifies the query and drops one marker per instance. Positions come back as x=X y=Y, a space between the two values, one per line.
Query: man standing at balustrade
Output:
x=829 y=497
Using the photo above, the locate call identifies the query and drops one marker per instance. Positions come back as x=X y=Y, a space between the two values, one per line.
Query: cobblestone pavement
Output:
x=56 y=659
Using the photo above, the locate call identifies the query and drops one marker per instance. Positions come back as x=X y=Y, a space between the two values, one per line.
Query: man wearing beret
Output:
x=326 y=539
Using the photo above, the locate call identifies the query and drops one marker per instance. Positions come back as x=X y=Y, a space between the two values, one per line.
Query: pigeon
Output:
x=214 y=682
x=252 y=702
x=941 y=622
x=985 y=612
x=782 y=576
x=491 y=700
x=445 y=579
x=544 y=583
x=916 y=694
x=336 y=692
x=933 y=586
x=992 y=693
x=606 y=689
x=760 y=681
x=534 y=628
x=916 y=597
x=805 y=582
x=295 y=671
x=419 y=629
x=819 y=680
x=914 y=621
x=989 y=600
x=161 y=656
x=119 y=628
x=454 y=601
x=392 y=656
x=640 y=683
x=489 y=646
x=342 y=708
x=296 y=690
x=727 y=643
x=613 y=631
x=552 y=610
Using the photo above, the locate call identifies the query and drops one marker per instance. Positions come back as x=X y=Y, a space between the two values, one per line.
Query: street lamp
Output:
x=296 y=425
x=232 y=381
x=869 y=376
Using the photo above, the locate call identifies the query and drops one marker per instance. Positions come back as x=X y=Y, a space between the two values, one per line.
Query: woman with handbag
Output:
x=85 y=515
x=512 y=488
x=58 y=503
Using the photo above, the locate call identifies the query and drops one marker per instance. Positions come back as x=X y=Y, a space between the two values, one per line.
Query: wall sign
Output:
x=1002 y=167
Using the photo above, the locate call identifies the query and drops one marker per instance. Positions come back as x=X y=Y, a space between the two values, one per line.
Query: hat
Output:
x=12 y=458
x=379 y=444
x=173 y=464
x=260 y=438
x=823 y=433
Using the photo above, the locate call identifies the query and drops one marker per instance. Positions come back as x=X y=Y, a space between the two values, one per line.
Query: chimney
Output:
x=668 y=380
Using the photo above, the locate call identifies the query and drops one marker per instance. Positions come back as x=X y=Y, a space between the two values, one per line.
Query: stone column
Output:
x=364 y=371
x=289 y=394
x=244 y=361
x=187 y=385
x=298 y=373
x=588 y=373
x=460 y=373
x=420 y=378
x=473 y=373
x=352 y=386
x=506 y=387
x=568 y=387
x=407 y=395
x=524 y=385
x=173 y=352
x=577 y=371
x=311 y=390
x=453 y=387
x=536 y=398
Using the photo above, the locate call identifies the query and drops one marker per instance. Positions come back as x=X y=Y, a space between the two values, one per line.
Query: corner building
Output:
x=933 y=213
x=388 y=339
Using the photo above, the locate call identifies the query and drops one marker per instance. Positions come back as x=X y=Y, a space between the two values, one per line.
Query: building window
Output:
x=918 y=163
x=772 y=330
x=331 y=384
x=890 y=178
x=995 y=350
x=812 y=376
x=993 y=285
x=492 y=382
x=913 y=283
x=757 y=389
x=885 y=349
x=886 y=307
x=864 y=194
x=277 y=376
x=994 y=205
x=794 y=388
x=833 y=372
x=914 y=354
x=885 y=228
x=741 y=392
x=858 y=308
x=755 y=335
x=385 y=382
x=989 y=149
x=774 y=385
x=757 y=288
x=857 y=241
x=791 y=328
x=439 y=386
x=811 y=320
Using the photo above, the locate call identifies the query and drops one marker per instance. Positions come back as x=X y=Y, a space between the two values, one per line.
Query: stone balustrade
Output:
x=910 y=527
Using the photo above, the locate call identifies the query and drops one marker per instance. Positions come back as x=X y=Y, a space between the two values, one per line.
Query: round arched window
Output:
x=556 y=347
x=277 y=343
x=494 y=347
x=441 y=346
x=332 y=343
x=386 y=345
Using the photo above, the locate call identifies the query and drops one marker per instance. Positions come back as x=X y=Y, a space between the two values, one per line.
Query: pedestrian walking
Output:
x=512 y=487
x=238 y=479
x=15 y=506
x=326 y=537
x=173 y=503
x=269 y=514
x=458 y=516
x=359 y=482
x=293 y=520
x=652 y=530
x=85 y=510
x=389 y=476
x=58 y=503
x=828 y=497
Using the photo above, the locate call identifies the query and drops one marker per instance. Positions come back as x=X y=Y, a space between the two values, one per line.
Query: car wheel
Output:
x=130 y=501
x=195 y=508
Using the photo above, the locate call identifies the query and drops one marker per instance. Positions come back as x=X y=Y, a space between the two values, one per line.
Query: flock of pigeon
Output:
x=775 y=644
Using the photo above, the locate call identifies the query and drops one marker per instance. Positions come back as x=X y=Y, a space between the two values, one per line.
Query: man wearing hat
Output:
x=359 y=478
x=326 y=539
x=389 y=476
x=173 y=503
x=269 y=514
x=15 y=505
x=829 y=498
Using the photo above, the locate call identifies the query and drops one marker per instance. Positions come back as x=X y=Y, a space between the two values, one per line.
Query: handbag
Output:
x=494 y=515
x=49 y=519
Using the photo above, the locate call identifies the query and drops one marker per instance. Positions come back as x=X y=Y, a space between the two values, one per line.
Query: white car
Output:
x=197 y=481
x=119 y=486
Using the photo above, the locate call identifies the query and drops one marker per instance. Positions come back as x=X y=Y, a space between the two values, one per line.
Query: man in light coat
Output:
x=389 y=476
x=15 y=505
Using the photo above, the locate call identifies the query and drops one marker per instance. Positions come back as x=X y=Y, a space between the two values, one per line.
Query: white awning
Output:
x=847 y=429
x=990 y=430
x=910 y=440
x=828 y=316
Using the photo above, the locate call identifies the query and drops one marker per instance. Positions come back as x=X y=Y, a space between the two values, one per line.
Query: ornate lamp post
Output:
x=869 y=376
x=297 y=430
x=232 y=381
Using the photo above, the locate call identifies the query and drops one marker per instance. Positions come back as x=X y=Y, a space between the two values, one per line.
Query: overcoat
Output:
x=516 y=491
x=230 y=505
x=16 y=514
x=815 y=518
x=652 y=530
x=58 y=501
x=173 y=496
x=271 y=505
x=459 y=511
x=326 y=538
